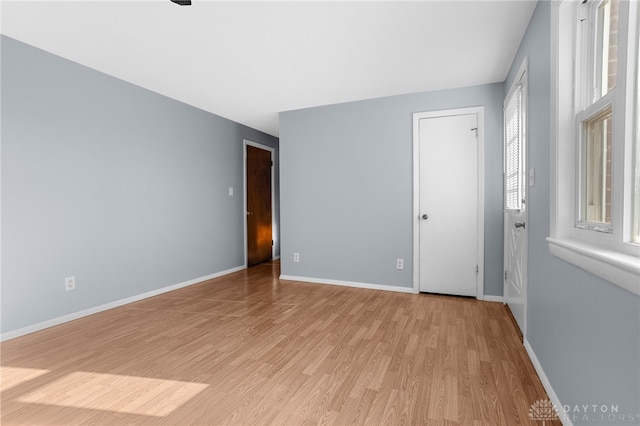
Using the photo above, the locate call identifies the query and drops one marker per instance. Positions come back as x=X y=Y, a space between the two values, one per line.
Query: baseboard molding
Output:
x=86 y=312
x=491 y=298
x=348 y=284
x=566 y=421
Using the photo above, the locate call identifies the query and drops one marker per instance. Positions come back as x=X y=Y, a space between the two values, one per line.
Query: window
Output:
x=514 y=150
x=595 y=80
x=595 y=205
x=604 y=20
x=595 y=173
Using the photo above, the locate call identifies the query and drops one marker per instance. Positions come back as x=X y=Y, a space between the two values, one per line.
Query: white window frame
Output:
x=519 y=87
x=608 y=255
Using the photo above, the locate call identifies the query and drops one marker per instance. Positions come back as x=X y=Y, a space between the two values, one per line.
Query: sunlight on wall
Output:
x=111 y=392
x=13 y=376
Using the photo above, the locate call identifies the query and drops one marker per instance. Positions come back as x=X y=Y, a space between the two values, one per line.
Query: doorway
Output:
x=449 y=202
x=516 y=183
x=258 y=177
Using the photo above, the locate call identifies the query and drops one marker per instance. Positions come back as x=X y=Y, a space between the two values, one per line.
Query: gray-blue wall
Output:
x=347 y=186
x=125 y=189
x=584 y=331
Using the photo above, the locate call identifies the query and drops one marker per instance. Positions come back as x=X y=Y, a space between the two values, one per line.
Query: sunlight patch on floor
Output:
x=123 y=394
x=14 y=376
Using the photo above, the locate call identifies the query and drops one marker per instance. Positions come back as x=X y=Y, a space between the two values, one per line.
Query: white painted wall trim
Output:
x=347 y=284
x=566 y=421
x=615 y=267
x=96 y=309
x=274 y=231
x=491 y=298
x=479 y=110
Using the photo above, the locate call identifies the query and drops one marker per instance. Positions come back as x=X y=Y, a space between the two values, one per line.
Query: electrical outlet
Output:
x=399 y=263
x=296 y=257
x=70 y=283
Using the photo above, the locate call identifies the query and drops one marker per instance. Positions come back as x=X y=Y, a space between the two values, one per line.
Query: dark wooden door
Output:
x=259 y=234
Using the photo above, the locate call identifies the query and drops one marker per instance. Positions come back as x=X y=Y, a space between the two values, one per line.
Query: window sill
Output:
x=618 y=268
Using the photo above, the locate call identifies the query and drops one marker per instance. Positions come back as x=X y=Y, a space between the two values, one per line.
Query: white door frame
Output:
x=416 y=191
x=522 y=78
x=245 y=143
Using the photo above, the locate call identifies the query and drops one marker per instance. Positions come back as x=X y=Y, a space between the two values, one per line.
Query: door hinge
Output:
x=505 y=275
x=271 y=242
x=271 y=163
x=475 y=129
x=477 y=270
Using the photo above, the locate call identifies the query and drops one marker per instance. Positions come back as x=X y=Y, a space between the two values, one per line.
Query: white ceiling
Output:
x=247 y=61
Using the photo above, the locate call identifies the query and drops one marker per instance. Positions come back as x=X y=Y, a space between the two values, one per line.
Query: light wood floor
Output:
x=250 y=349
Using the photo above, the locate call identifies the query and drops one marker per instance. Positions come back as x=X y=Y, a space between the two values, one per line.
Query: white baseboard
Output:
x=348 y=284
x=566 y=421
x=86 y=312
x=490 y=298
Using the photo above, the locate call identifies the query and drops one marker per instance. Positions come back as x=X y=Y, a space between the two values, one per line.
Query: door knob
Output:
x=519 y=225
x=425 y=216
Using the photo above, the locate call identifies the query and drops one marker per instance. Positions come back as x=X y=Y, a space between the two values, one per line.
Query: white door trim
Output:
x=245 y=143
x=416 y=191
x=522 y=78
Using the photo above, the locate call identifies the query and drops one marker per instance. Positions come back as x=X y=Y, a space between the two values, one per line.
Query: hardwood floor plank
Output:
x=248 y=348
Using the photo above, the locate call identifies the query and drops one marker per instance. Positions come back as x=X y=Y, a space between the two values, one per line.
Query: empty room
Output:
x=320 y=212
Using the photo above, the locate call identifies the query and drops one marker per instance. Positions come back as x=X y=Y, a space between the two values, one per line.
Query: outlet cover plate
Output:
x=70 y=283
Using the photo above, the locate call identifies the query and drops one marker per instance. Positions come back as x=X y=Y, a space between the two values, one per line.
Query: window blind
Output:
x=513 y=151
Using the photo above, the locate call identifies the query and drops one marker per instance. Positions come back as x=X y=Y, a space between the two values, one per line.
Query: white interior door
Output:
x=448 y=200
x=515 y=264
x=515 y=198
